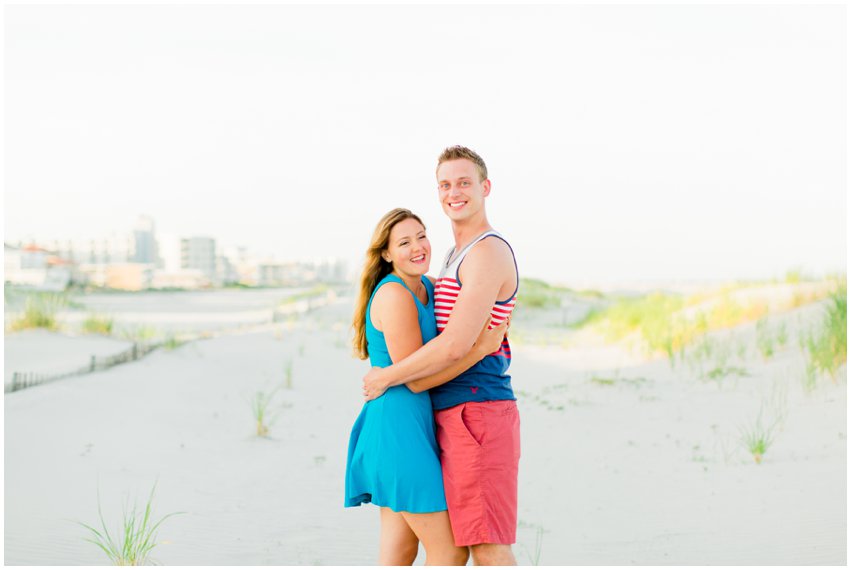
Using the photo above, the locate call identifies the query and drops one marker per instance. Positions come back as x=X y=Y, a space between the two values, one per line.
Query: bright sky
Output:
x=623 y=142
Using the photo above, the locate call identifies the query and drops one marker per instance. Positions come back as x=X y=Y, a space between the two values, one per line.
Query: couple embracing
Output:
x=437 y=444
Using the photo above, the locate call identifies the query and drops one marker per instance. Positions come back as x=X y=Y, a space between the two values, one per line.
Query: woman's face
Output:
x=408 y=249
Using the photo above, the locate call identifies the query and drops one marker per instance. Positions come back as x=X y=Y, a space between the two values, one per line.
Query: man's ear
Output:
x=487 y=187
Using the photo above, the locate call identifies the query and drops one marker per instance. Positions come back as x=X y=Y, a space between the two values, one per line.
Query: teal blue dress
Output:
x=393 y=455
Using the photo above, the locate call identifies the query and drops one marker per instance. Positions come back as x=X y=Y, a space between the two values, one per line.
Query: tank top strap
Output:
x=455 y=259
x=429 y=289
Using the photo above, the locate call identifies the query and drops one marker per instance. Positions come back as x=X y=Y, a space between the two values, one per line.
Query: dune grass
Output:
x=140 y=334
x=770 y=339
x=40 y=311
x=288 y=374
x=535 y=293
x=653 y=317
x=668 y=323
x=825 y=346
x=534 y=555
x=260 y=411
x=136 y=538
x=97 y=324
x=757 y=438
x=172 y=342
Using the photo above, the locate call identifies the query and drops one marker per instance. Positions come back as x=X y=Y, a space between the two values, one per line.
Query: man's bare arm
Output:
x=487 y=267
x=488 y=343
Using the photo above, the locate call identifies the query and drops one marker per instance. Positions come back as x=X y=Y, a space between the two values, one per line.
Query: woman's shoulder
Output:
x=391 y=293
x=390 y=300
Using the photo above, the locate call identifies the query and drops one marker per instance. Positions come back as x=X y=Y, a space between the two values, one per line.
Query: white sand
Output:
x=646 y=470
x=180 y=311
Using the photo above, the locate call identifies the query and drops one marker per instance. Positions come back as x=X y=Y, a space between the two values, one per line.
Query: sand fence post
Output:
x=93 y=363
x=15 y=381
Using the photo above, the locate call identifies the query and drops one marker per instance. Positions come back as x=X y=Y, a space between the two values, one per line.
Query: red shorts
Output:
x=479 y=452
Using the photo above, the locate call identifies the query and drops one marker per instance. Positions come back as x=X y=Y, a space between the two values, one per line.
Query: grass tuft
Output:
x=140 y=334
x=757 y=438
x=132 y=545
x=172 y=342
x=288 y=374
x=260 y=410
x=96 y=324
x=768 y=339
x=535 y=554
x=720 y=372
x=602 y=381
x=764 y=338
x=40 y=311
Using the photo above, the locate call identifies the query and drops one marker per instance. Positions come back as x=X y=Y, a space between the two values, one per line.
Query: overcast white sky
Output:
x=623 y=142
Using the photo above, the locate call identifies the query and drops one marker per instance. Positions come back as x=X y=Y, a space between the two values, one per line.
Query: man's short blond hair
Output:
x=458 y=151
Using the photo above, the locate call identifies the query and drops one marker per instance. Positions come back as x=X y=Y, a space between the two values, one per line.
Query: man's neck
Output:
x=467 y=232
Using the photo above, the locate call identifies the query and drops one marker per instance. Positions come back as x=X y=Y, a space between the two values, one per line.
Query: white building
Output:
x=199 y=253
x=144 y=241
x=35 y=267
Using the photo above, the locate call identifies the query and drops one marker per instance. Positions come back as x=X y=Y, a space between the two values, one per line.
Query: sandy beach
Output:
x=625 y=459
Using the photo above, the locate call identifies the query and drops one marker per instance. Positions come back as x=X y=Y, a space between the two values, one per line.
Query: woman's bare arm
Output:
x=394 y=313
x=488 y=342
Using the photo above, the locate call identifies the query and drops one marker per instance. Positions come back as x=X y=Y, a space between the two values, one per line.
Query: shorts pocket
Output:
x=473 y=423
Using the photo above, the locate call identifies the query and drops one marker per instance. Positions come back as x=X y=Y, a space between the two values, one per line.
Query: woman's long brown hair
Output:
x=375 y=268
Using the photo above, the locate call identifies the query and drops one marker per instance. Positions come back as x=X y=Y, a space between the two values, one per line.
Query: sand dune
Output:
x=625 y=459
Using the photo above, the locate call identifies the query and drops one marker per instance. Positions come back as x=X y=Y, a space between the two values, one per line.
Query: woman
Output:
x=393 y=456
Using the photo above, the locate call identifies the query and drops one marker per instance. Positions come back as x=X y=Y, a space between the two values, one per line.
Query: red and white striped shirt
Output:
x=447 y=287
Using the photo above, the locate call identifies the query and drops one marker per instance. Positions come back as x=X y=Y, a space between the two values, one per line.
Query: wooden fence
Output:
x=21 y=380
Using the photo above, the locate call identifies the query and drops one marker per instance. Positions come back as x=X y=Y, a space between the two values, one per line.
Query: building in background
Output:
x=116 y=248
x=129 y=276
x=284 y=274
x=237 y=266
x=144 y=242
x=138 y=260
x=200 y=253
x=35 y=267
x=331 y=270
x=179 y=279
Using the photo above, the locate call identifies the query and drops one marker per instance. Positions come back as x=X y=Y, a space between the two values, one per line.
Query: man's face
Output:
x=462 y=194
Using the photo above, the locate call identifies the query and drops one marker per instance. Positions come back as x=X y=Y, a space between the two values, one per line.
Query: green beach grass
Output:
x=97 y=324
x=668 y=323
x=535 y=293
x=825 y=346
x=757 y=438
x=136 y=538
x=260 y=411
x=40 y=311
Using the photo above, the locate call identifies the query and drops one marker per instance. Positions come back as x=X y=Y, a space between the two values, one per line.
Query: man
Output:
x=478 y=427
